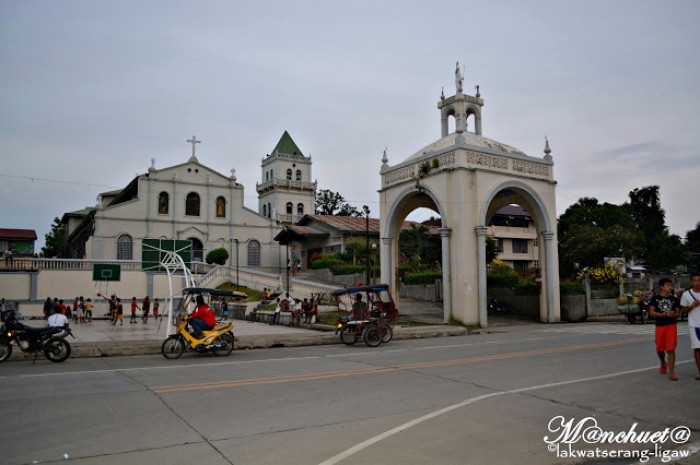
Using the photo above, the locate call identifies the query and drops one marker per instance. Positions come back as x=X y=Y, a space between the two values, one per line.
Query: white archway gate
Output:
x=466 y=178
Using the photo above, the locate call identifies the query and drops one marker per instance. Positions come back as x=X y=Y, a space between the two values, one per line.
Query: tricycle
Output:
x=372 y=315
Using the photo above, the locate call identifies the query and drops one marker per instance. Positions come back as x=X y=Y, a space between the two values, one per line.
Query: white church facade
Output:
x=191 y=201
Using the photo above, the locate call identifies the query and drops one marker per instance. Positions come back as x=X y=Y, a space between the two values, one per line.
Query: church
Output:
x=191 y=201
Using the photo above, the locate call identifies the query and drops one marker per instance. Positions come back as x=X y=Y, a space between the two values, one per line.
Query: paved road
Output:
x=478 y=399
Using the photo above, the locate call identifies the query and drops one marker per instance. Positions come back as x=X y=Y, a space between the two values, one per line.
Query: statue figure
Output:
x=458 y=78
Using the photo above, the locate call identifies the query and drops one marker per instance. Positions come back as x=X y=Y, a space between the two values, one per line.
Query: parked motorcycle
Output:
x=50 y=340
x=494 y=306
x=219 y=340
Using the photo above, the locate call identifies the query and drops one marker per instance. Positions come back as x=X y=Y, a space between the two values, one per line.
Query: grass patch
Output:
x=253 y=294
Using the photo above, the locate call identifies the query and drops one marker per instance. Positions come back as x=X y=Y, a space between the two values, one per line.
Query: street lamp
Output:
x=365 y=208
x=236 y=241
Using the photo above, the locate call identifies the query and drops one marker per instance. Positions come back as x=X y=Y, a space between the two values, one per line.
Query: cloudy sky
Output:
x=90 y=91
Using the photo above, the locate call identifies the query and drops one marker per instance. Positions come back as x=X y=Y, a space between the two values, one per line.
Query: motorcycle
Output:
x=218 y=340
x=495 y=306
x=50 y=340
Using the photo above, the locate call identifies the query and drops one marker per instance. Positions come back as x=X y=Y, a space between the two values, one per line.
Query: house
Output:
x=19 y=241
x=515 y=232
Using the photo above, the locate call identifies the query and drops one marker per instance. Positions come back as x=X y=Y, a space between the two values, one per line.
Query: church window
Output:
x=272 y=174
x=264 y=210
x=163 y=203
x=267 y=175
x=289 y=208
x=269 y=210
x=289 y=174
x=298 y=175
x=253 y=253
x=300 y=209
x=125 y=247
x=192 y=204
x=220 y=207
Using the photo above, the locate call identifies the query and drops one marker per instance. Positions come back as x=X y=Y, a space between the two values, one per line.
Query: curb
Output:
x=123 y=349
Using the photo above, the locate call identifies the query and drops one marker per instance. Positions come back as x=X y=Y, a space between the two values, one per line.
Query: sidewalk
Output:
x=103 y=339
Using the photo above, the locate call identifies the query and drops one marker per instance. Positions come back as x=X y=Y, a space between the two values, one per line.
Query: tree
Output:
x=492 y=249
x=218 y=256
x=663 y=252
x=587 y=211
x=332 y=203
x=55 y=240
x=418 y=246
x=692 y=243
x=588 y=245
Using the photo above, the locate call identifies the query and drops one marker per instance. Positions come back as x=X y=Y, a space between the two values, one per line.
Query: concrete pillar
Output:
x=481 y=270
x=446 y=275
x=444 y=125
x=548 y=237
x=33 y=285
x=477 y=124
x=386 y=265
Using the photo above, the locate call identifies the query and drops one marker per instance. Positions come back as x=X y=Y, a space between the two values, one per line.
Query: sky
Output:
x=90 y=91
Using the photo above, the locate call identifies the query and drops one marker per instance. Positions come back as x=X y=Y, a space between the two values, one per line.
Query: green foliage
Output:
x=55 y=240
x=588 y=212
x=326 y=261
x=692 y=243
x=421 y=249
x=218 y=256
x=588 y=245
x=422 y=277
x=340 y=268
x=500 y=274
x=525 y=287
x=570 y=287
x=492 y=249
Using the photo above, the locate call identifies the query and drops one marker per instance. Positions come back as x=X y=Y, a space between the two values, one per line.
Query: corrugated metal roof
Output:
x=348 y=223
x=306 y=231
x=17 y=234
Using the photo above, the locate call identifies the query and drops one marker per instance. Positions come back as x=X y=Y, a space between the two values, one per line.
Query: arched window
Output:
x=253 y=253
x=125 y=247
x=289 y=174
x=163 y=203
x=269 y=210
x=220 y=207
x=289 y=208
x=298 y=175
x=264 y=210
x=197 y=250
x=192 y=204
x=300 y=209
x=267 y=175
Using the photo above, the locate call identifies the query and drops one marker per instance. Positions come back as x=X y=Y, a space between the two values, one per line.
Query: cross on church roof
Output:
x=194 y=141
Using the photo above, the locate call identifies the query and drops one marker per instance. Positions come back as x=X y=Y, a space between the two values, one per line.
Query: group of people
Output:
x=116 y=309
x=80 y=312
x=666 y=308
x=298 y=308
x=294 y=267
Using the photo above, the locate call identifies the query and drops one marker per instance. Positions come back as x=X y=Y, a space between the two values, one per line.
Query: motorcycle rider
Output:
x=202 y=319
x=58 y=320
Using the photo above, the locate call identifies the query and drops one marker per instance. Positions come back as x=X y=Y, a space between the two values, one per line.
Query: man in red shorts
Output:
x=664 y=307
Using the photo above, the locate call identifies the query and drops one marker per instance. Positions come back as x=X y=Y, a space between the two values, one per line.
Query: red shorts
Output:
x=666 y=338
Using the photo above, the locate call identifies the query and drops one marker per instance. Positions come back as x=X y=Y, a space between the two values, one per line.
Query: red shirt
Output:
x=133 y=306
x=206 y=314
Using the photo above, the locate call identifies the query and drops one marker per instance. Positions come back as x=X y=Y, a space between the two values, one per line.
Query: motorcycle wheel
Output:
x=387 y=334
x=57 y=350
x=5 y=351
x=372 y=335
x=348 y=335
x=225 y=342
x=173 y=347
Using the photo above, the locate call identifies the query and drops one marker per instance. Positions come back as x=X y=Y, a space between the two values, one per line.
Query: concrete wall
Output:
x=420 y=291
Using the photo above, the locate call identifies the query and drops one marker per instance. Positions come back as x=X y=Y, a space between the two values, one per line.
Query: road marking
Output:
x=387 y=434
x=375 y=370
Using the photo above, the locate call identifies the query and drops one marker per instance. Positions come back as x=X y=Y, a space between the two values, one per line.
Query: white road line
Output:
x=387 y=434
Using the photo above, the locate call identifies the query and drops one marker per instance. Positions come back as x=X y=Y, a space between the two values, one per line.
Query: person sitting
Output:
x=359 y=308
x=202 y=319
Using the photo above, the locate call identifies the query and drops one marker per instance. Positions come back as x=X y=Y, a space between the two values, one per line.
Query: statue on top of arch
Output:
x=459 y=79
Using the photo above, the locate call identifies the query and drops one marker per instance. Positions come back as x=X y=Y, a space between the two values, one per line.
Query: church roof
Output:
x=10 y=233
x=287 y=146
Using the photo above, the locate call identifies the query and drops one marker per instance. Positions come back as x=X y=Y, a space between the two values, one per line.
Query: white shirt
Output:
x=58 y=320
x=694 y=315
